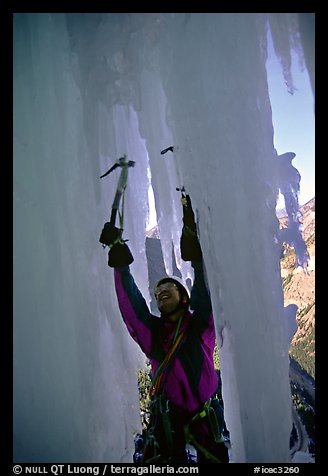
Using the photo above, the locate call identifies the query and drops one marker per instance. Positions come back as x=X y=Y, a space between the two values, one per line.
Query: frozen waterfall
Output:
x=89 y=88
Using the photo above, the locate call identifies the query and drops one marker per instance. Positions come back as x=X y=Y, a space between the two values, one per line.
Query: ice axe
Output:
x=182 y=189
x=121 y=186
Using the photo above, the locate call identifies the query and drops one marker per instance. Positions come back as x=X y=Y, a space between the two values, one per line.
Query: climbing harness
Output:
x=207 y=411
x=159 y=409
x=160 y=412
x=119 y=195
x=159 y=405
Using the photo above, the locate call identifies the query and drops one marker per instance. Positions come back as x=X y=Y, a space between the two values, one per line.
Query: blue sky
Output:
x=294 y=121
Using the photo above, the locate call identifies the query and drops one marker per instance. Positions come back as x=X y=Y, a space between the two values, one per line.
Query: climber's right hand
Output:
x=188 y=214
x=189 y=242
x=110 y=234
x=189 y=245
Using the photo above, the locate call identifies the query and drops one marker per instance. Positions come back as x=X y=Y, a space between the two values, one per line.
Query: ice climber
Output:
x=179 y=345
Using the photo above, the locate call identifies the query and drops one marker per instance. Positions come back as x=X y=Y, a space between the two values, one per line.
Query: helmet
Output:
x=181 y=285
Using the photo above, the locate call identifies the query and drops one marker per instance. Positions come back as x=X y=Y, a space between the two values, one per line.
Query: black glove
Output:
x=109 y=234
x=188 y=214
x=189 y=243
x=119 y=254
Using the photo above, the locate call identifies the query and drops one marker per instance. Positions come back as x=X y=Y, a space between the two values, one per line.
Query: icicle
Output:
x=289 y=185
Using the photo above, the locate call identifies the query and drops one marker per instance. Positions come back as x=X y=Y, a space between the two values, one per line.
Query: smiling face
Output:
x=168 y=299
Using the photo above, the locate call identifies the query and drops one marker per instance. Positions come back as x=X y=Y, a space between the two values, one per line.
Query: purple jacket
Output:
x=191 y=378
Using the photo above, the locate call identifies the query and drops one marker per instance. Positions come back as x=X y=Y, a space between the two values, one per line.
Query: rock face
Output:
x=299 y=289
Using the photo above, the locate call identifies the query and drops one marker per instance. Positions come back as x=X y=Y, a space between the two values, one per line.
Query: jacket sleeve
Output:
x=200 y=303
x=134 y=310
x=199 y=297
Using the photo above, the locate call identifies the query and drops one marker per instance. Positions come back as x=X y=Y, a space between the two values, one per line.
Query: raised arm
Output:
x=134 y=310
x=199 y=297
x=133 y=306
x=200 y=301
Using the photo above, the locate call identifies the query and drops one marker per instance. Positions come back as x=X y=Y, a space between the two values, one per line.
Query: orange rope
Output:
x=156 y=384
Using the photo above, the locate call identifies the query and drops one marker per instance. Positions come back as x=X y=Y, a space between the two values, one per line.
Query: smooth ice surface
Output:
x=89 y=88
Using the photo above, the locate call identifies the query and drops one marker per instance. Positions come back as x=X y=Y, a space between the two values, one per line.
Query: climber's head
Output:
x=171 y=295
